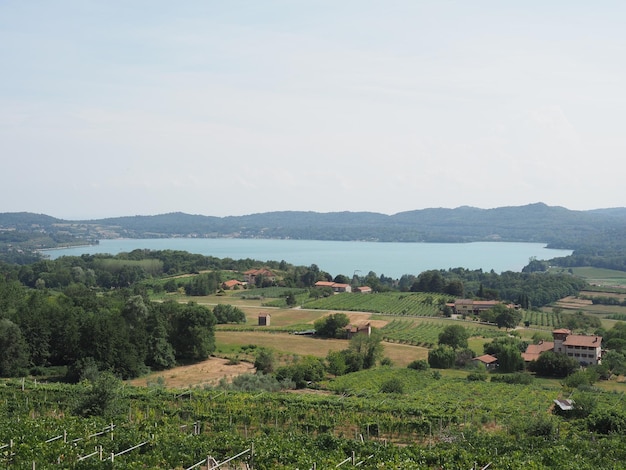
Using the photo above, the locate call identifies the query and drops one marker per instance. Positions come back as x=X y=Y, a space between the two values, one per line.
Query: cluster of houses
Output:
x=251 y=276
x=586 y=349
x=338 y=287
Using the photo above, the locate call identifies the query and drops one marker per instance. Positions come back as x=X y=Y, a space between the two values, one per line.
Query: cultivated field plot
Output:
x=425 y=333
x=597 y=276
x=294 y=345
x=390 y=303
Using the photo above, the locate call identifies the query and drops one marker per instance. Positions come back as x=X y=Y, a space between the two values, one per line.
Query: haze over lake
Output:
x=340 y=257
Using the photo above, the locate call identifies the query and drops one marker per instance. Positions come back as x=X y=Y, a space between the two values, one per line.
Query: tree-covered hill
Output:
x=597 y=235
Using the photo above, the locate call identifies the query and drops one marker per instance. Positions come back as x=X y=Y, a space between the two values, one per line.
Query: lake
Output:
x=335 y=257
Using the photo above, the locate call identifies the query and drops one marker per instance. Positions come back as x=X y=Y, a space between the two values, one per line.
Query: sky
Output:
x=116 y=108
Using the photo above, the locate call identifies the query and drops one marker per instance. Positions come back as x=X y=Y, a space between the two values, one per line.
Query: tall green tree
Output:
x=455 y=336
x=14 y=355
x=369 y=347
x=192 y=334
x=332 y=326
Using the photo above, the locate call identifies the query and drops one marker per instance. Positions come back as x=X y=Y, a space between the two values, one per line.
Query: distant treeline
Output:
x=597 y=236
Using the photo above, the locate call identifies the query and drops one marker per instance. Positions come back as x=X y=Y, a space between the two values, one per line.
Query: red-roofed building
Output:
x=586 y=349
x=534 y=350
x=353 y=330
x=335 y=286
x=231 y=284
x=491 y=362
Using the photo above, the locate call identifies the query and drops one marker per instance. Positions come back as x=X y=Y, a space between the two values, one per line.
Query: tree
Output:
x=370 y=347
x=160 y=353
x=264 y=361
x=14 y=356
x=455 y=287
x=551 y=364
x=291 y=300
x=336 y=363
x=331 y=326
x=442 y=357
x=508 y=318
x=192 y=334
x=454 y=336
x=510 y=359
x=102 y=398
x=228 y=314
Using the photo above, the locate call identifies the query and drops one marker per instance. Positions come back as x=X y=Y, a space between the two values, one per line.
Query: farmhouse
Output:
x=363 y=290
x=231 y=284
x=586 y=349
x=534 y=350
x=353 y=330
x=467 y=306
x=335 y=286
x=490 y=362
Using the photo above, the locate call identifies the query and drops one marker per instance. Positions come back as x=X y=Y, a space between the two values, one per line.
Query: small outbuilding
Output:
x=490 y=362
x=264 y=319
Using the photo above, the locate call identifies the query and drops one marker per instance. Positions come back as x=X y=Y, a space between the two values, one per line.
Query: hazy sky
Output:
x=111 y=108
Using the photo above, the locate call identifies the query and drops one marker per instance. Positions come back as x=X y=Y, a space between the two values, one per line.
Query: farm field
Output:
x=290 y=345
x=390 y=303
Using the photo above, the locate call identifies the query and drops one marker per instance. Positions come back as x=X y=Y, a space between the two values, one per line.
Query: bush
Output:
x=521 y=378
x=478 y=376
x=551 y=364
x=394 y=385
x=419 y=364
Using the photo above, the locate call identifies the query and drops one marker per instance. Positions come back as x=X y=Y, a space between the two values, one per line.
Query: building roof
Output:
x=475 y=302
x=565 y=405
x=486 y=359
x=232 y=282
x=534 y=350
x=363 y=288
x=324 y=284
x=587 y=341
x=562 y=331
x=263 y=315
x=339 y=285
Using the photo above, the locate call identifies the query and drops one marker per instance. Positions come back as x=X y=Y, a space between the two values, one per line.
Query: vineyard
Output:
x=389 y=303
x=445 y=423
x=548 y=320
x=426 y=333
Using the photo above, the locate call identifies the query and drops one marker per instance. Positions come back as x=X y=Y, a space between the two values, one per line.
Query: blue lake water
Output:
x=335 y=257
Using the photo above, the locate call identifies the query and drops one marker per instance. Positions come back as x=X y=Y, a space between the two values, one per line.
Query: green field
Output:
x=599 y=276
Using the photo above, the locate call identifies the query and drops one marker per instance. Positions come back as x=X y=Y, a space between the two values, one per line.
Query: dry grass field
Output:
x=208 y=372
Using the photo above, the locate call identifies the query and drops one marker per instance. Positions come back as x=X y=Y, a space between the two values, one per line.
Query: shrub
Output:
x=478 y=376
x=516 y=378
x=394 y=385
x=419 y=364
